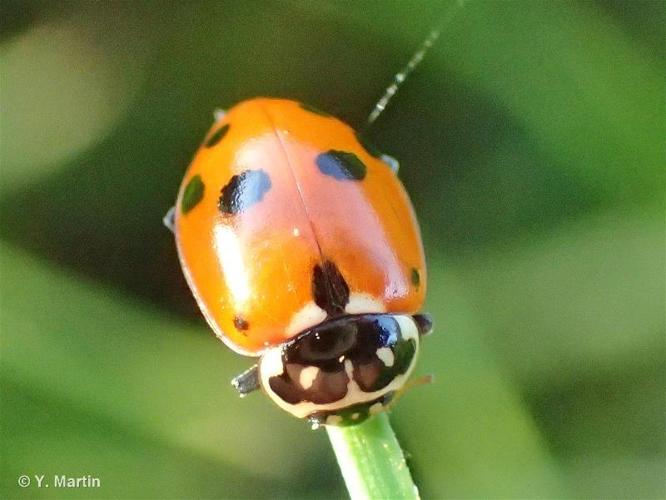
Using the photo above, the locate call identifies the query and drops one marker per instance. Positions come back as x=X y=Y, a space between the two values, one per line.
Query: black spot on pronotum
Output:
x=370 y=372
x=217 y=136
x=368 y=146
x=244 y=190
x=241 y=323
x=403 y=353
x=341 y=165
x=192 y=194
x=314 y=110
x=416 y=277
x=328 y=387
x=329 y=288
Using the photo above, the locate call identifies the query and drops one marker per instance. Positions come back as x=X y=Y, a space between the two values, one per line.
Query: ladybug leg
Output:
x=247 y=381
x=423 y=323
x=411 y=384
x=169 y=219
x=391 y=162
x=218 y=114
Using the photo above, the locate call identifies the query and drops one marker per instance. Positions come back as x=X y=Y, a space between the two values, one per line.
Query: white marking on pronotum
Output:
x=386 y=355
x=349 y=369
x=271 y=364
x=408 y=327
x=308 y=376
x=363 y=303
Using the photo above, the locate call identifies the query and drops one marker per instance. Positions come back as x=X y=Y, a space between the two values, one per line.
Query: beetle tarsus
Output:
x=169 y=219
x=218 y=114
x=247 y=382
x=391 y=162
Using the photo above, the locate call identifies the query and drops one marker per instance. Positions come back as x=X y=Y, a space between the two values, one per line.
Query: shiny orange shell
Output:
x=277 y=192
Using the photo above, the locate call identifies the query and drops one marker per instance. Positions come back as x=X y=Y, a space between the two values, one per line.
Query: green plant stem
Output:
x=371 y=460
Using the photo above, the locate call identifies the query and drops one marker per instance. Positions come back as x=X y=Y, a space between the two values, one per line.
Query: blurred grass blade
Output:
x=130 y=370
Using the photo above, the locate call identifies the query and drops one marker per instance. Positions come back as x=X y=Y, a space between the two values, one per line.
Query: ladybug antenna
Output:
x=412 y=64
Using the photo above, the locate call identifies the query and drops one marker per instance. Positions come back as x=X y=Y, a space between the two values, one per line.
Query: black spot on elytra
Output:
x=329 y=288
x=244 y=190
x=217 y=136
x=192 y=194
x=341 y=165
x=314 y=110
x=241 y=323
x=368 y=146
x=416 y=277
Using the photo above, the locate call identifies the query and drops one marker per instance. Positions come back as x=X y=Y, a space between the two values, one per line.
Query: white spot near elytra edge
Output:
x=362 y=303
x=309 y=315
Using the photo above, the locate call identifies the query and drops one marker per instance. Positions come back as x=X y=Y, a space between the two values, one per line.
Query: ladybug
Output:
x=301 y=247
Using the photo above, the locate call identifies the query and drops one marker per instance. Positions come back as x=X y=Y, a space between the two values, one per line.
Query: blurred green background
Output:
x=532 y=143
